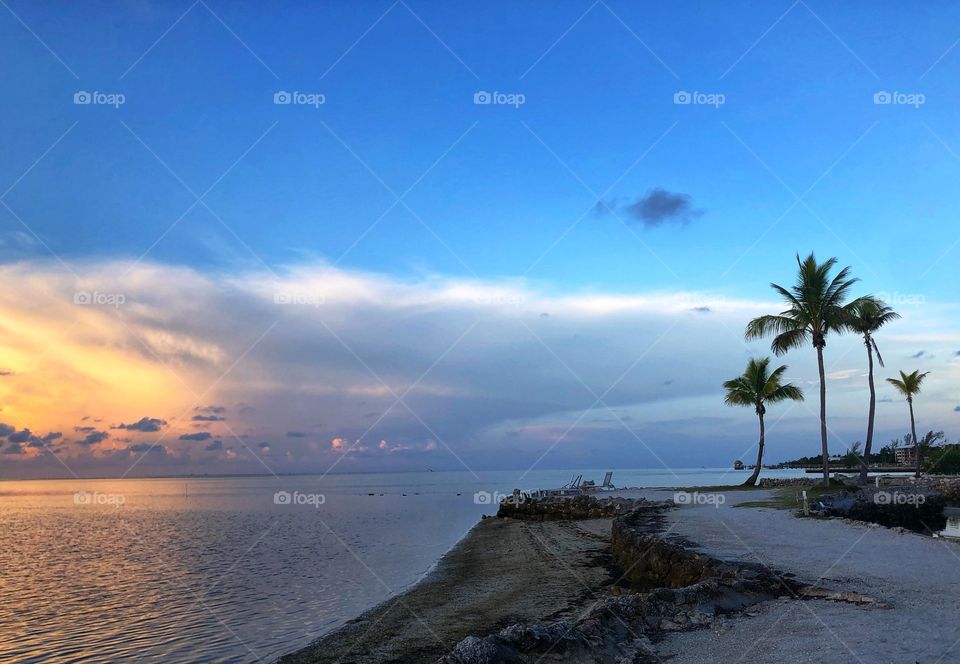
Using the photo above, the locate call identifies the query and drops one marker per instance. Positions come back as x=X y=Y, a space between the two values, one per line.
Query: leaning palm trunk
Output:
x=823 y=416
x=913 y=432
x=752 y=480
x=870 y=416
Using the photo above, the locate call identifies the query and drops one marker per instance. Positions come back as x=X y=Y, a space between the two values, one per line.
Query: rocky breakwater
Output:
x=917 y=508
x=521 y=506
x=668 y=588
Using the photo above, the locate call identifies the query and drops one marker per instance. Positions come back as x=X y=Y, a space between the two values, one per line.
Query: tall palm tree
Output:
x=757 y=387
x=816 y=306
x=909 y=385
x=869 y=314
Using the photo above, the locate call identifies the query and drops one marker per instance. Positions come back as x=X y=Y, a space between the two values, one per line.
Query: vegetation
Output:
x=909 y=385
x=868 y=315
x=816 y=306
x=757 y=387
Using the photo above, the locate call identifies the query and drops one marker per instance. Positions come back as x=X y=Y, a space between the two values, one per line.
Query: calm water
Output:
x=223 y=569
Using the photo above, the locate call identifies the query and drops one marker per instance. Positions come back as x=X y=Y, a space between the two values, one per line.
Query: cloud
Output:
x=6 y=372
x=217 y=410
x=956 y=409
x=21 y=436
x=919 y=354
x=93 y=438
x=480 y=370
x=701 y=310
x=200 y=435
x=153 y=448
x=214 y=445
x=208 y=418
x=6 y=430
x=14 y=448
x=146 y=424
x=659 y=207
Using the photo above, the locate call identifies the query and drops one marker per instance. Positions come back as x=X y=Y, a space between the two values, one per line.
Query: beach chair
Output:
x=608 y=481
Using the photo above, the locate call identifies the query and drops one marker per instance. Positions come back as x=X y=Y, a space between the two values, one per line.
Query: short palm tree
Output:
x=869 y=314
x=908 y=385
x=816 y=306
x=756 y=387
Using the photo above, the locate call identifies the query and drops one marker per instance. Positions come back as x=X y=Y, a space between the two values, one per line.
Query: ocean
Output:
x=234 y=569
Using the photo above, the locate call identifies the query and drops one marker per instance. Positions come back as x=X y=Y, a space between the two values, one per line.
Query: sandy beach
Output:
x=509 y=571
x=502 y=572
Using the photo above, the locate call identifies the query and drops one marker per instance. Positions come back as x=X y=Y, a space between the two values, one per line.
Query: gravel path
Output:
x=918 y=576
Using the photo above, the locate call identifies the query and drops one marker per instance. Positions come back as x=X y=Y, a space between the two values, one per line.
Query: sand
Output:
x=508 y=571
x=503 y=571
x=918 y=576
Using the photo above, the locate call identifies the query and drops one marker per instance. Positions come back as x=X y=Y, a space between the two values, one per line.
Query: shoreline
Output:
x=508 y=572
x=502 y=571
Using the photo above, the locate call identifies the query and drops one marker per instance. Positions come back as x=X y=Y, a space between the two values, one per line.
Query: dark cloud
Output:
x=21 y=436
x=14 y=448
x=147 y=424
x=6 y=430
x=93 y=438
x=659 y=207
x=84 y=429
x=919 y=354
x=956 y=409
x=263 y=446
x=6 y=372
x=701 y=310
x=296 y=434
x=147 y=447
x=200 y=435
x=217 y=410
x=214 y=445
x=53 y=435
x=208 y=418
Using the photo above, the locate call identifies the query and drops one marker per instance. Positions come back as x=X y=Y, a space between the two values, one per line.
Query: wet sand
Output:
x=504 y=571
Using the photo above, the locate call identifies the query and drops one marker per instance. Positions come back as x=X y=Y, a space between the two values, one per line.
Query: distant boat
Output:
x=738 y=465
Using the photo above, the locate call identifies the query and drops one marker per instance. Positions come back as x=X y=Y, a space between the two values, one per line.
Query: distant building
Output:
x=905 y=455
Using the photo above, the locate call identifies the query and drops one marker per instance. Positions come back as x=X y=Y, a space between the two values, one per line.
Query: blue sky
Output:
x=798 y=157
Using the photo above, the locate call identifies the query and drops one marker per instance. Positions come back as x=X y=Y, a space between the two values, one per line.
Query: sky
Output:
x=374 y=236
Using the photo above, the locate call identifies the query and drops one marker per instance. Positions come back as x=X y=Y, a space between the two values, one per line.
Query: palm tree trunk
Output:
x=752 y=480
x=913 y=432
x=823 y=418
x=870 y=416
